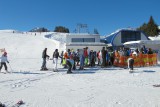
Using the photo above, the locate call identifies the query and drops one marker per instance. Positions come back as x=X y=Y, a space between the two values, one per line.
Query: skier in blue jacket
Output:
x=3 y=61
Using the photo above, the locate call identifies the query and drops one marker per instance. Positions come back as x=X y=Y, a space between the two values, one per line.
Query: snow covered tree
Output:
x=61 y=29
x=41 y=29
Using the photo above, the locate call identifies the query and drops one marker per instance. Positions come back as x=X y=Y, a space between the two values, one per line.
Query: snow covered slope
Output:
x=25 y=50
x=93 y=87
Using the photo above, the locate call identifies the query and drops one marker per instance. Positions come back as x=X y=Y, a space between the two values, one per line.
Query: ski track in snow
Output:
x=89 y=99
x=92 y=87
x=19 y=84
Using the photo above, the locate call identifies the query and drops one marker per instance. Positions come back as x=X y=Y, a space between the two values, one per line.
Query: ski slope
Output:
x=93 y=87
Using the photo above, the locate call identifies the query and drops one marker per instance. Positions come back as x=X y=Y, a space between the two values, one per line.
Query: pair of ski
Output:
x=6 y=72
x=18 y=104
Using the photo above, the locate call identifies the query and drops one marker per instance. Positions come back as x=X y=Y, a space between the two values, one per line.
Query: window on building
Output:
x=83 y=39
x=77 y=39
x=130 y=36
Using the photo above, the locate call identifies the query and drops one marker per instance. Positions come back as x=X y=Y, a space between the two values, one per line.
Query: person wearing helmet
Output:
x=3 y=61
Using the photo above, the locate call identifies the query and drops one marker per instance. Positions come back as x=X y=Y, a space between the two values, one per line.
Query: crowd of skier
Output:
x=84 y=58
x=88 y=58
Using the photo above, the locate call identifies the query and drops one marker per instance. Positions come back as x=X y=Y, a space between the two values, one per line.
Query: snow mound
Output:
x=154 y=38
x=61 y=37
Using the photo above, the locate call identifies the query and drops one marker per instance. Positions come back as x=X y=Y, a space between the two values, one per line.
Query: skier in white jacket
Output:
x=131 y=62
x=3 y=61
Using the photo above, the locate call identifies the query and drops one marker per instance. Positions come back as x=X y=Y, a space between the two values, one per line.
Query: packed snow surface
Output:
x=92 y=87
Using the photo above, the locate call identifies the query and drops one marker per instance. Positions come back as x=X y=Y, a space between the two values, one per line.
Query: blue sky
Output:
x=104 y=15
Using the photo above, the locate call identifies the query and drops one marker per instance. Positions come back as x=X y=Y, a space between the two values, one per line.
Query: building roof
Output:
x=154 y=42
x=109 y=38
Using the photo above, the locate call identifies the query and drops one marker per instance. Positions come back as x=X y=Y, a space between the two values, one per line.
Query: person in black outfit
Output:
x=62 y=57
x=69 y=71
x=103 y=57
x=150 y=51
x=112 y=58
x=44 y=56
x=91 y=57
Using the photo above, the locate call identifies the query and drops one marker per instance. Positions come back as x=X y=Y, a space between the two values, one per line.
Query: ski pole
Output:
x=10 y=67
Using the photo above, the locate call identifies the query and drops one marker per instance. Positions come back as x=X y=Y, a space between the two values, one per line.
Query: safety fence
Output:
x=139 y=61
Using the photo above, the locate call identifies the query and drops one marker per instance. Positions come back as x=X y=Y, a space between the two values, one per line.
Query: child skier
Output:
x=3 y=61
x=130 y=64
x=70 y=64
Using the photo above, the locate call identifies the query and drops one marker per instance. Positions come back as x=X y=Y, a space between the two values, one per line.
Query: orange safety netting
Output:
x=139 y=61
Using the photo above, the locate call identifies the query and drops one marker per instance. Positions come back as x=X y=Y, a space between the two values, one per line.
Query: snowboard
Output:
x=18 y=104
x=156 y=85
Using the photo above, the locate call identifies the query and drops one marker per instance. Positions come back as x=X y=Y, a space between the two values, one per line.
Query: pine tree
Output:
x=96 y=31
x=143 y=28
x=151 y=28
